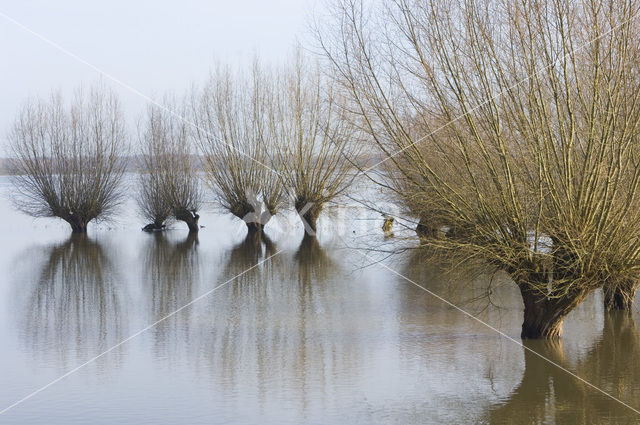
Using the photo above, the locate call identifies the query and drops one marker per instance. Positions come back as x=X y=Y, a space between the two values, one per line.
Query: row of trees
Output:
x=259 y=139
x=510 y=131
x=271 y=134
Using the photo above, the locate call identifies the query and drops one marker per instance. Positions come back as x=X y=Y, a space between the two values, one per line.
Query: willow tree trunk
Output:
x=544 y=315
x=620 y=296
x=155 y=226
x=544 y=310
x=542 y=318
x=427 y=229
x=256 y=238
x=254 y=227
x=311 y=220
x=309 y=213
x=191 y=218
x=78 y=224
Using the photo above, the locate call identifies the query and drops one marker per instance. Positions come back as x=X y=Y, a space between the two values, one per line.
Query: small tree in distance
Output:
x=67 y=158
x=231 y=120
x=313 y=139
x=169 y=186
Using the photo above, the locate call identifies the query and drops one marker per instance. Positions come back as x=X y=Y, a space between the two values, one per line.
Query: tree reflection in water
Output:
x=298 y=333
x=314 y=264
x=171 y=272
x=75 y=304
x=548 y=394
x=542 y=392
x=170 y=269
x=277 y=323
x=613 y=364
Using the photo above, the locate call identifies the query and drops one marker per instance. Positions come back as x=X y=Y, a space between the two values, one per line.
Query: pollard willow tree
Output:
x=169 y=184
x=314 y=142
x=230 y=129
x=528 y=114
x=66 y=157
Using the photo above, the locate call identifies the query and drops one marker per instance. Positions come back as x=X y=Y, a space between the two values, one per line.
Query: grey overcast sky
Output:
x=153 y=46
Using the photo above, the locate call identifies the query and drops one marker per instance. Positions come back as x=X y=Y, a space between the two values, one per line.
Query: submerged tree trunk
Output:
x=311 y=220
x=154 y=227
x=544 y=309
x=544 y=315
x=78 y=224
x=79 y=228
x=309 y=213
x=427 y=229
x=545 y=390
x=543 y=319
x=620 y=296
x=256 y=238
x=254 y=228
x=191 y=218
x=254 y=218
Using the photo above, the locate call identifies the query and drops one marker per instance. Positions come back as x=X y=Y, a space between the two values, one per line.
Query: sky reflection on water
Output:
x=308 y=336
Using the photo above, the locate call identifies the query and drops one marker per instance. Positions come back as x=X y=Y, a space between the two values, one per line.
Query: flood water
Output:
x=295 y=331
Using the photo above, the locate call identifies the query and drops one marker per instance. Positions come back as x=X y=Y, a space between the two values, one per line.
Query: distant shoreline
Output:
x=133 y=164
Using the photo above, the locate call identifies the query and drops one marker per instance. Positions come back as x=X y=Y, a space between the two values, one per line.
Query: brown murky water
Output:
x=315 y=334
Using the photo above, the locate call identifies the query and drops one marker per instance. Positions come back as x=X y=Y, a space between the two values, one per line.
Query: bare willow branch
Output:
x=513 y=126
x=67 y=158
x=230 y=116
x=313 y=139
x=169 y=185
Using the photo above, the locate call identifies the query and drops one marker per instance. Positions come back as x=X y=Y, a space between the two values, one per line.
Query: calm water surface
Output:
x=316 y=334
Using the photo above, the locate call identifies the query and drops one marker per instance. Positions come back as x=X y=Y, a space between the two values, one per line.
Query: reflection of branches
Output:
x=271 y=326
x=529 y=402
x=256 y=247
x=477 y=285
x=547 y=392
x=170 y=270
x=313 y=262
x=75 y=305
x=607 y=363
